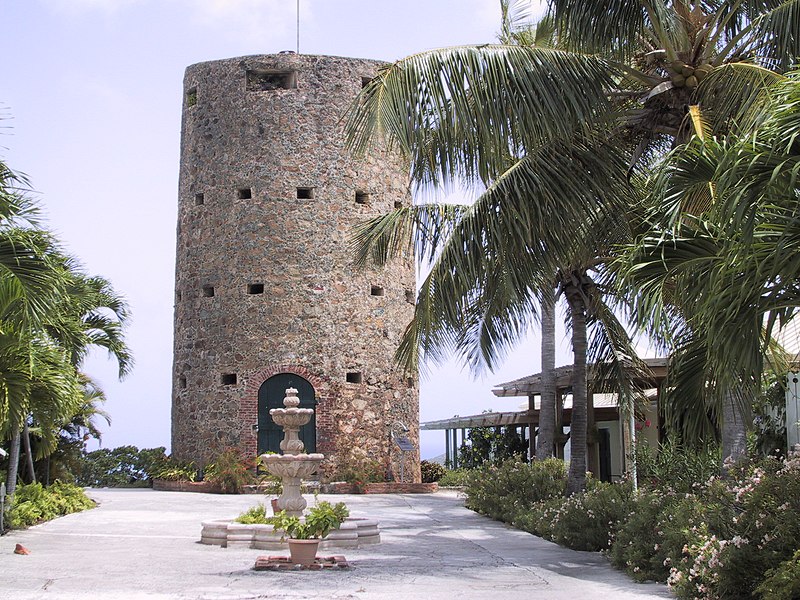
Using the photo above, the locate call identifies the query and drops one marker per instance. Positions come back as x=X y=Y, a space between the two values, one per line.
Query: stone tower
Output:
x=266 y=296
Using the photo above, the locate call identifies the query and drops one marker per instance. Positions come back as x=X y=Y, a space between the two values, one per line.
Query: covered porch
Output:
x=608 y=439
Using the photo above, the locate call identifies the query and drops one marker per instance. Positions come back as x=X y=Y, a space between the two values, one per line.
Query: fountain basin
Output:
x=352 y=533
x=292 y=465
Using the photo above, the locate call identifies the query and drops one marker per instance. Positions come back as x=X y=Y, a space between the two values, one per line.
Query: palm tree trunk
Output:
x=13 y=462
x=26 y=442
x=576 y=477
x=547 y=408
x=734 y=430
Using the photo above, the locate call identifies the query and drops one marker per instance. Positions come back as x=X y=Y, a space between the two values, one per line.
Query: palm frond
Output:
x=466 y=111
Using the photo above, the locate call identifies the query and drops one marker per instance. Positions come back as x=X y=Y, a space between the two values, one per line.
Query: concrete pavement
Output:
x=145 y=544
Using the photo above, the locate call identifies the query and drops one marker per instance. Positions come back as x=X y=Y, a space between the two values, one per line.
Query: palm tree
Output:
x=50 y=314
x=547 y=130
x=733 y=256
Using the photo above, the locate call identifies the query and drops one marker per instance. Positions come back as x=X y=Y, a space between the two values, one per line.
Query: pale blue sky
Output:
x=92 y=91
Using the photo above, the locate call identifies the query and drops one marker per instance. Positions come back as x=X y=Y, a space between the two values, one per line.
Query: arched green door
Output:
x=271 y=395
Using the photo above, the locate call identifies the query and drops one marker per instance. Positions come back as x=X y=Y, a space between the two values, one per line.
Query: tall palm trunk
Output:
x=576 y=477
x=26 y=442
x=734 y=430
x=13 y=461
x=547 y=408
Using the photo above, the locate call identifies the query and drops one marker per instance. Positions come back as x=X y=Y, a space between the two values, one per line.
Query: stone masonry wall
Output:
x=268 y=197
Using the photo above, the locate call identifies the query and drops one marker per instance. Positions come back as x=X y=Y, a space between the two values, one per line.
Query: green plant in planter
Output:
x=257 y=515
x=319 y=521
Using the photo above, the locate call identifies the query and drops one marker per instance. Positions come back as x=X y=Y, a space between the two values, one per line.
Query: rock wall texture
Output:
x=264 y=284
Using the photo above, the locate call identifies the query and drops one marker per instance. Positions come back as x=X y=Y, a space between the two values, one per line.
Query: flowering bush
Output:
x=584 y=521
x=760 y=529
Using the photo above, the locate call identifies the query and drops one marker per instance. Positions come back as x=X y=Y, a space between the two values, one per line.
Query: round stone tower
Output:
x=266 y=296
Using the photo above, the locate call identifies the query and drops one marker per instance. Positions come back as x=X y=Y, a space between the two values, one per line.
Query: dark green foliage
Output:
x=35 y=503
x=487 y=444
x=782 y=582
x=505 y=490
x=125 y=466
x=675 y=466
x=431 y=471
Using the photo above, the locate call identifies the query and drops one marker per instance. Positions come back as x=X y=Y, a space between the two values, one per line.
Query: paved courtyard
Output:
x=145 y=544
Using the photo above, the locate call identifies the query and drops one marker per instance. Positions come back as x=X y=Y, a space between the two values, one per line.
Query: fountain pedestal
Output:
x=294 y=464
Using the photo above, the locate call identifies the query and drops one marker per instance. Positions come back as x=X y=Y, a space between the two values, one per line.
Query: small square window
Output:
x=191 y=97
x=199 y=199
x=255 y=288
x=182 y=382
x=362 y=197
x=353 y=377
x=208 y=291
x=244 y=193
x=398 y=204
x=365 y=81
x=228 y=379
x=265 y=81
x=376 y=290
x=305 y=193
x=411 y=297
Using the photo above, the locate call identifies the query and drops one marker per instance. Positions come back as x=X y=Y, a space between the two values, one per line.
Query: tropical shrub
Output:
x=431 y=471
x=231 y=471
x=504 y=491
x=34 y=503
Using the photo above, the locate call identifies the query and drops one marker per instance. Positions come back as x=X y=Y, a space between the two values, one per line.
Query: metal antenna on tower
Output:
x=298 y=26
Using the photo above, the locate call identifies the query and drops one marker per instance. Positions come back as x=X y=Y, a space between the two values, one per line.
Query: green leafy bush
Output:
x=34 y=503
x=504 y=491
x=431 y=471
x=231 y=471
x=454 y=478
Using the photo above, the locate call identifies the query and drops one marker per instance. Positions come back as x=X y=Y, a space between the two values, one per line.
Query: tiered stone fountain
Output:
x=291 y=466
x=294 y=464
